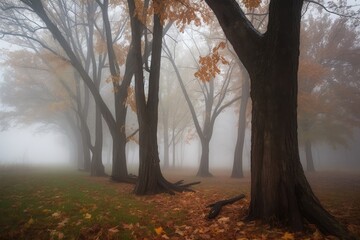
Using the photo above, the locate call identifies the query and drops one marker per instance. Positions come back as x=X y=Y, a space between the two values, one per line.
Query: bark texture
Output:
x=280 y=192
x=150 y=180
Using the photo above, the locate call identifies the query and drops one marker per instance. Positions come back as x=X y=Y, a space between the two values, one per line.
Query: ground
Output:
x=49 y=204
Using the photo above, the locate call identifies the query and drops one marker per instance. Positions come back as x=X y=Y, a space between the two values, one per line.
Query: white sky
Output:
x=25 y=146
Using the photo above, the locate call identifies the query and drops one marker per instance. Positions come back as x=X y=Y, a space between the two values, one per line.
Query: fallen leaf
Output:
x=31 y=221
x=181 y=233
x=223 y=219
x=113 y=230
x=159 y=230
x=63 y=223
x=165 y=236
x=56 y=214
x=317 y=235
x=87 y=215
x=288 y=236
x=128 y=226
x=60 y=235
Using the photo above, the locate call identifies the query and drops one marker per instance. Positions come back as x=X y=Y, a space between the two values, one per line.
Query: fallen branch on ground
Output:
x=216 y=207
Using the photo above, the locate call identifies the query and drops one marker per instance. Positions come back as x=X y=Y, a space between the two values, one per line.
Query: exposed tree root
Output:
x=132 y=179
x=313 y=212
x=216 y=207
x=310 y=209
x=178 y=186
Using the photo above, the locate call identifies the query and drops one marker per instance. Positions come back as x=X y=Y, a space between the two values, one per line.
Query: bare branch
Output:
x=332 y=12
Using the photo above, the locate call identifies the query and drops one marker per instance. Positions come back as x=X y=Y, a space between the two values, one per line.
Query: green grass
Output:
x=53 y=205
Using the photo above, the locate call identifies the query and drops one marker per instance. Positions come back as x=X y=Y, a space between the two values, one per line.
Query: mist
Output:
x=137 y=98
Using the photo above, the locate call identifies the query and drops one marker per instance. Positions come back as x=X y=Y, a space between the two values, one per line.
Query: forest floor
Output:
x=56 y=204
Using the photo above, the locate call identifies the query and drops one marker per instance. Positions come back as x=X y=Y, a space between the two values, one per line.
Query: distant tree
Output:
x=35 y=93
x=322 y=114
x=174 y=115
x=76 y=60
x=215 y=97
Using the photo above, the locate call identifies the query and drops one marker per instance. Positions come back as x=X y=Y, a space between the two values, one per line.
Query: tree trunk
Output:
x=173 y=148
x=237 y=171
x=280 y=192
x=309 y=157
x=166 y=138
x=204 y=160
x=119 y=165
x=149 y=169
x=97 y=167
x=86 y=150
x=150 y=180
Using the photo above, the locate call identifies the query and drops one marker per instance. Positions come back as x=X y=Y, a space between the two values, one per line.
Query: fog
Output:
x=40 y=126
x=27 y=146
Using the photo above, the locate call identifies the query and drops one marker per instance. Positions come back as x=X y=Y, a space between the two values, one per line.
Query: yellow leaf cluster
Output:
x=209 y=64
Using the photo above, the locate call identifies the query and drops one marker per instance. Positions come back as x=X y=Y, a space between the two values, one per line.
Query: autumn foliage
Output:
x=209 y=64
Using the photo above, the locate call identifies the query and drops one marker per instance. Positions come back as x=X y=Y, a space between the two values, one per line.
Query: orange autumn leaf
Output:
x=209 y=64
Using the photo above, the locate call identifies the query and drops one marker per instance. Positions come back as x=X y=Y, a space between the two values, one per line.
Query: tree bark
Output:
x=309 y=157
x=150 y=180
x=119 y=166
x=204 y=160
x=149 y=169
x=97 y=167
x=86 y=151
x=280 y=192
x=237 y=171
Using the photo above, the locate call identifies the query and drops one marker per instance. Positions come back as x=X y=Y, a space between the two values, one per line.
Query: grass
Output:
x=62 y=204
x=53 y=205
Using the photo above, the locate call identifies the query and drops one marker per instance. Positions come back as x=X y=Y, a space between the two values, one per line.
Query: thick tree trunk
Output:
x=280 y=192
x=309 y=157
x=149 y=169
x=204 y=160
x=97 y=167
x=237 y=171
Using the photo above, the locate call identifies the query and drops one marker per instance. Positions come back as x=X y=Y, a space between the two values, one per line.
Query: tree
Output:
x=174 y=116
x=34 y=93
x=38 y=8
x=150 y=180
x=322 y=115
x=237 y=170
x=258 y=19
x=214 y=98
x=279 y=189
